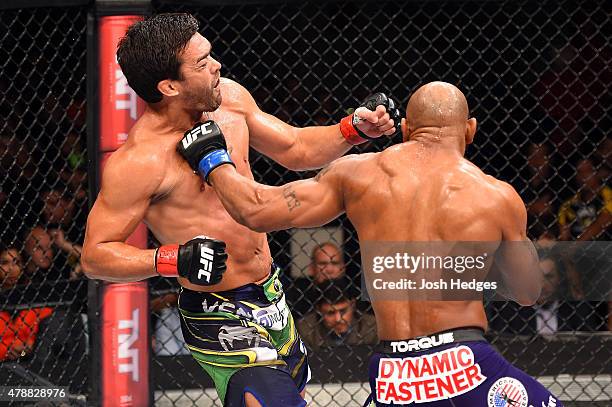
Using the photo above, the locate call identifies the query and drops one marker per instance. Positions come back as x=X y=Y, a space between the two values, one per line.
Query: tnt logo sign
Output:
x=128 y=355
x=207 y=256
x=195 y=133
x=126 y=98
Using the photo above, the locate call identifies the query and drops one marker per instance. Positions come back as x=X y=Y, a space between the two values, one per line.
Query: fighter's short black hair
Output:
x=150 y=52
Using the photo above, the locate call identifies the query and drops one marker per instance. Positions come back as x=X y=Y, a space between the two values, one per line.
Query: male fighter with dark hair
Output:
x=422 y=190
x=236 y=322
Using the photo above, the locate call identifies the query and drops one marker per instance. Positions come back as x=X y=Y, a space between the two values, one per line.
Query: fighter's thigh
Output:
x=224 y=346
x=262 y=385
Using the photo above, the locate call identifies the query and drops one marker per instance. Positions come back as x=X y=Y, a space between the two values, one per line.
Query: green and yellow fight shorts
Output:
x=244 y=327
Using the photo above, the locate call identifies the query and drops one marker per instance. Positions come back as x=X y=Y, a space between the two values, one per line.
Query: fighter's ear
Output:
x=404 y=127
x=167 y=87
x=470 y=130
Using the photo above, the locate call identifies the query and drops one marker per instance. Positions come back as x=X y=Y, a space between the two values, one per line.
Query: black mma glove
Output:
x=204 y=148
x=201 y=260
x=348 y=125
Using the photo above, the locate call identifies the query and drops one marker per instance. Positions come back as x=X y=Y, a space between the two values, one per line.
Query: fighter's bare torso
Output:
x=183 y=206
x=418 y=193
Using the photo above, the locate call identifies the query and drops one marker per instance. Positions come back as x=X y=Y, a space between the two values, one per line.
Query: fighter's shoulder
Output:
x=350 y=165
x=497 y=187
x=134 y=164
x=234 y=94
x=506 y=195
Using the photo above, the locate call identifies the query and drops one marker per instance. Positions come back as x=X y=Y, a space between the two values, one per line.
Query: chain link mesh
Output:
x=43 y=198
x=536 y=75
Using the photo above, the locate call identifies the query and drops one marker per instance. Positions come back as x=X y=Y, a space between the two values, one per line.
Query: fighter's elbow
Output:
x=254 y=213
x=298 y=156
x=296 y=165
x=255 y=223
x=525 y=301
x=88 y=263
x=88 y=269
x=528 y=297
x=306 y=162
x=260 y=228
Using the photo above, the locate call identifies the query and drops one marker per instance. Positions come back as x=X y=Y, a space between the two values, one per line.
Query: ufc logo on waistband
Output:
x=206 y=259
x=193 y=134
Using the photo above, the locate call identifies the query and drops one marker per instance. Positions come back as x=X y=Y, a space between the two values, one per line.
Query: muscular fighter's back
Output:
x=418 y=192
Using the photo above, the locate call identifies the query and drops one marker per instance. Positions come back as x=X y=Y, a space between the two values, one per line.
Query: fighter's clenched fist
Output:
x=378 y=115
x=204 y=148
x=201 y=260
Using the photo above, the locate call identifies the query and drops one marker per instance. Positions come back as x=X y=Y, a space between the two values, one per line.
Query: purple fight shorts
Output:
x=456 y=368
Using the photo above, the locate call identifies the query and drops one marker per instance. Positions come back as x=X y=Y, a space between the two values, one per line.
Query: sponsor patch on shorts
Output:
x=427 y=378
x=507 y=392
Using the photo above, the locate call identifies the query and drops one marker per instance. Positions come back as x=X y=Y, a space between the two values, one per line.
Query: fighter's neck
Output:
x=439 y=142
x=173 y=118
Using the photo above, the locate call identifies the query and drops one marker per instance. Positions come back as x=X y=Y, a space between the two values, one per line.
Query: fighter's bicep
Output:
x=270 y=135
x=113 y=220
x=120 y=205
x=107 y=225
x=267 y=134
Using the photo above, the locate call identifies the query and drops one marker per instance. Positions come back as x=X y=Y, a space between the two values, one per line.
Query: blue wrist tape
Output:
x=212 y=160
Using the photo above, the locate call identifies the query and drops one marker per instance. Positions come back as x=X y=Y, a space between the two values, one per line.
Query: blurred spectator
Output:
x=19 y=183
x=603 y=155
x=336 y=321
x=44 y=263
x=326 y=264
x=58 y=211
x=538 y=189
x=11 y=267
x=38 y=247
x=73 y=171
x=588 y=214
x=18 y=329
x=570 y=90
x=73 y=152
x=547 y=306
x=552 y=312
x=15 y=157
x=76 y=180
x=51 y=244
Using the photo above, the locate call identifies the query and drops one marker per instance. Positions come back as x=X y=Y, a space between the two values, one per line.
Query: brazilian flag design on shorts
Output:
x=248 y=326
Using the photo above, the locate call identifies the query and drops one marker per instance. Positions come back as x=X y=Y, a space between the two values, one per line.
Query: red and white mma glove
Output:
x=201 y=260
x=349 y=126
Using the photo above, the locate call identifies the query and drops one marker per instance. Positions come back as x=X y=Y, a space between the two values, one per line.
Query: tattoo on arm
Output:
x=290 y=198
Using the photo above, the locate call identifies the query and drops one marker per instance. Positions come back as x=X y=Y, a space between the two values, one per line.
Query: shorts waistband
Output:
x=426 y=342
x=270 y=288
